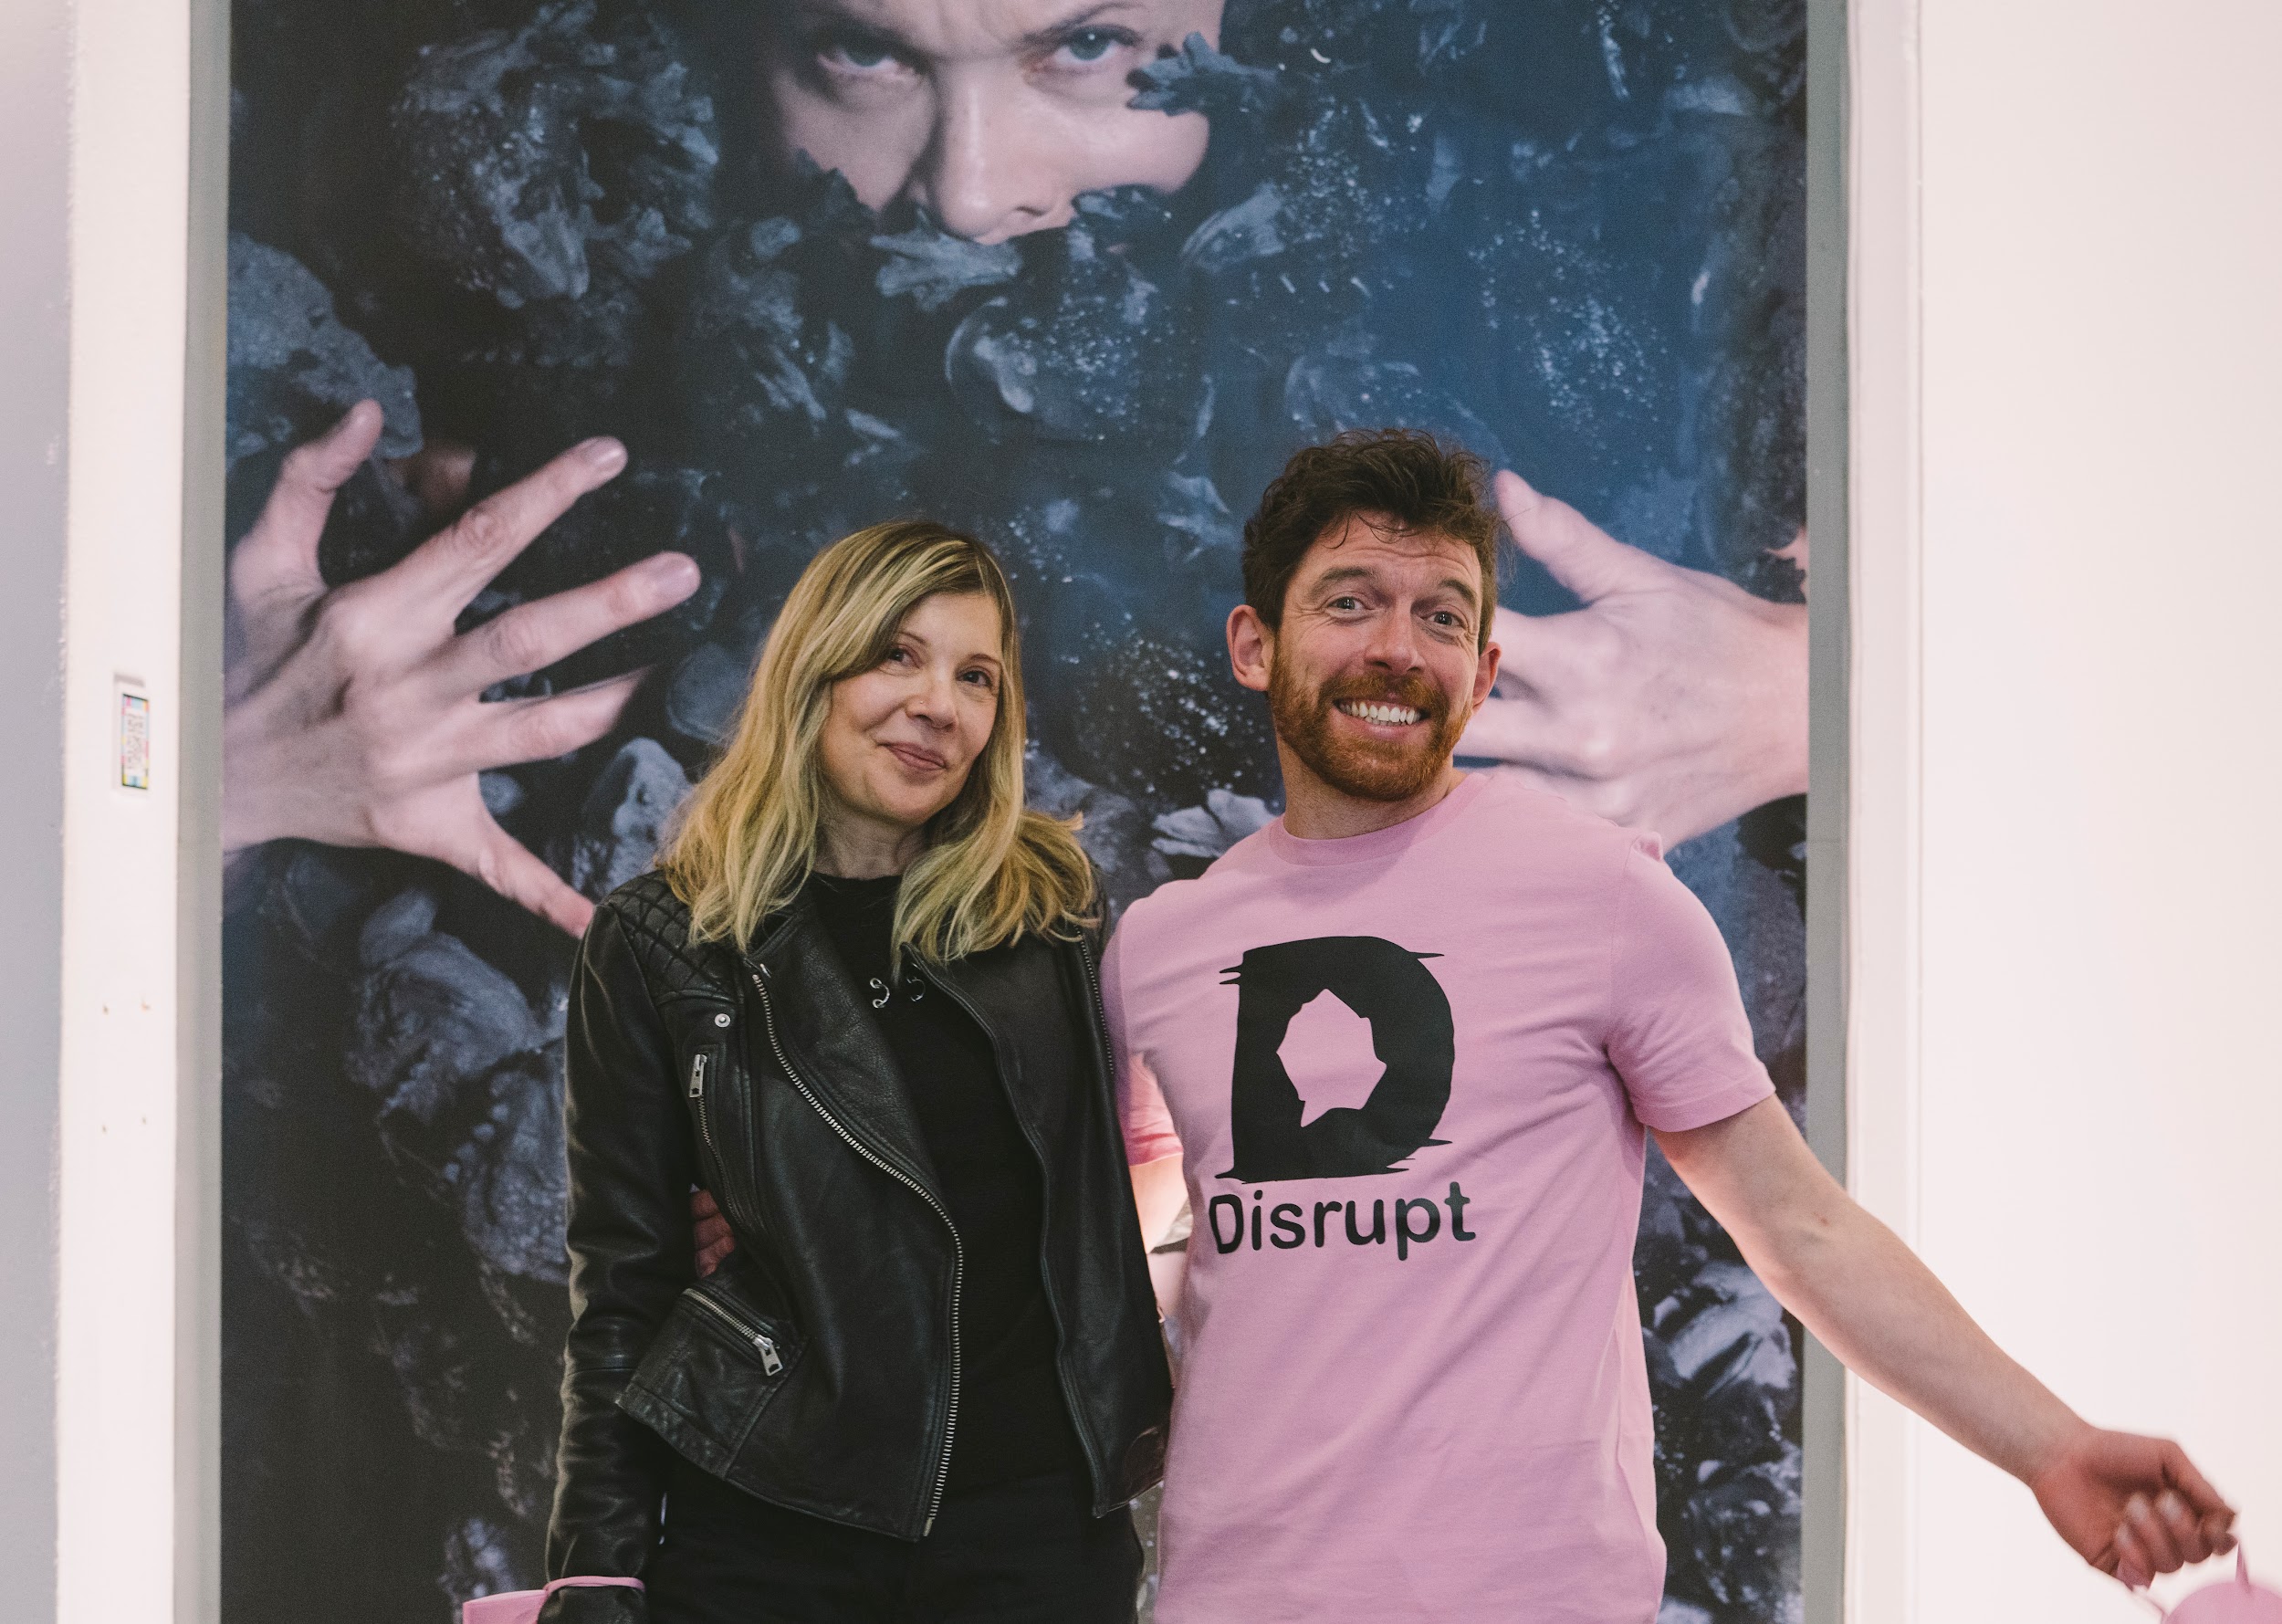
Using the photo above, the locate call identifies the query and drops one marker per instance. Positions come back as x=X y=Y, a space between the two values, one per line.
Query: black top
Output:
x=1012 y=1419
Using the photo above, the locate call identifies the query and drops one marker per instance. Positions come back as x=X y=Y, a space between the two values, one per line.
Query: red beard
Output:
x=1369 y=768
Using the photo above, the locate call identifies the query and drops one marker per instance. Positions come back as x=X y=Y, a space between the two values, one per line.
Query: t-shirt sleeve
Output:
x=1141 y=1109
x=1678 y=1034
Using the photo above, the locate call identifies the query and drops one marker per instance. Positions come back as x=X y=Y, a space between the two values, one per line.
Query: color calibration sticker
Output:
x=134 y=741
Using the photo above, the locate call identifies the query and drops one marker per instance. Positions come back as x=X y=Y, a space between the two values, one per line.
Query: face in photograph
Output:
x=994 y=115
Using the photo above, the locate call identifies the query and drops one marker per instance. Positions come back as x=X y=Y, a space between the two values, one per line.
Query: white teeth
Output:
x=1398 y=715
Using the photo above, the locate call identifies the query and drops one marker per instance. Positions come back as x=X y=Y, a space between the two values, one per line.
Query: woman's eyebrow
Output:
x=1053 y=34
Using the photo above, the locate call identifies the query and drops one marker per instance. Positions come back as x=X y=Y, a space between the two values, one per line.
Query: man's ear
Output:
x=1486 y=673
x=1251 y=647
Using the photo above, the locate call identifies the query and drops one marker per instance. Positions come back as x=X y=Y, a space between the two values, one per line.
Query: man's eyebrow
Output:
x=1347 y=573
x=1053 y=34
x=809 y=14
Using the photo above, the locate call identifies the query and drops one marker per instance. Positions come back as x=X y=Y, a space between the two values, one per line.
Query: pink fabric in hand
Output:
x=521 y=1607
x=2230 y=1601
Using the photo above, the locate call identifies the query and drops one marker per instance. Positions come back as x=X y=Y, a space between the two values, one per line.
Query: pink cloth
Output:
x=1448 y=1419
x=522 y=1607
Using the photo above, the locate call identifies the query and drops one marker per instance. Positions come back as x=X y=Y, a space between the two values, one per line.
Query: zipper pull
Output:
x=697 y=1076
x=769 y=1360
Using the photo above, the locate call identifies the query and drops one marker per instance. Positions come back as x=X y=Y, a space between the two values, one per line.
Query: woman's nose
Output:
x=989 y=173
x=935 y=702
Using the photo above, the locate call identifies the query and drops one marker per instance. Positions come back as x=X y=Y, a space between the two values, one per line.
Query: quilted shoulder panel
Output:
x=656 y=923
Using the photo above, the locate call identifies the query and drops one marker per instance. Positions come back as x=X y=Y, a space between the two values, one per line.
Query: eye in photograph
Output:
x=849 y=53
x=1092 y=50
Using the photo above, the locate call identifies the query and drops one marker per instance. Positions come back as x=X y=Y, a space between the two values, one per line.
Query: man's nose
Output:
x=1392 y=645
x=989 y=174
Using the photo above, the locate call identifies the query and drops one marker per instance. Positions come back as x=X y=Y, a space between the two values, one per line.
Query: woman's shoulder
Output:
x=654 y=921
x=647 y=906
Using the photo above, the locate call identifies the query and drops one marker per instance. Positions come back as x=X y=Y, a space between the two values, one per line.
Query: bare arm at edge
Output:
x=2130 y=1506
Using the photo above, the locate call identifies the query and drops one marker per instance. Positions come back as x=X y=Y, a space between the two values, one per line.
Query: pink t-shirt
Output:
x=1409 y=1071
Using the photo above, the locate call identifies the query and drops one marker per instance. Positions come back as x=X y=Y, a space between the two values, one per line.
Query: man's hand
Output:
x=715 y=1242
x=1672 y=701
x=354 y=715
x=2133 y=1506
x=2130 y=1506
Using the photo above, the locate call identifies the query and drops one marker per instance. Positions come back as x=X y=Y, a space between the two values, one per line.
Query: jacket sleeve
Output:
x=632 y=1255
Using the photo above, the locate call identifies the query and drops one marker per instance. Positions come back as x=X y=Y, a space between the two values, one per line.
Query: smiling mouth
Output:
x=1380 y=711
x=913 y=756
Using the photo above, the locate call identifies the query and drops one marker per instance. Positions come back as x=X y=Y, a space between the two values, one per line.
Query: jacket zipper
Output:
x=697 y=1098
x=1045 y=1275
x=771 y=1361
x=959 y=1254
x=1101 y=1020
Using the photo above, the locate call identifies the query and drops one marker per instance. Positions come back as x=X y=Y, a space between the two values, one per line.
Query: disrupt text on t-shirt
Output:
x=1418 y=1219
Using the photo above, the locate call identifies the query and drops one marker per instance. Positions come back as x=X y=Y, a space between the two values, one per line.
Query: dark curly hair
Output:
x=1425 y=487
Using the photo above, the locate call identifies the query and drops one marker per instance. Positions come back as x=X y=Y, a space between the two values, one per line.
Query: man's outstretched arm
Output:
x=2130 y=1506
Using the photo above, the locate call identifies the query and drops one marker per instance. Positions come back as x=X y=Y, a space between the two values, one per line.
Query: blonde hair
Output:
x=746 y=841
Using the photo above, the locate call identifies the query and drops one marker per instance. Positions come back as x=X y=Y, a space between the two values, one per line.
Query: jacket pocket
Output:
x=714 y=1364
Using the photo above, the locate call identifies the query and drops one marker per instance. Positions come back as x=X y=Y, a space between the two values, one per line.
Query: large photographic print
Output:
x=1077 y=278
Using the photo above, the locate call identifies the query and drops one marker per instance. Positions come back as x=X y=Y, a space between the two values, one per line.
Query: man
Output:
x=1403 y=1049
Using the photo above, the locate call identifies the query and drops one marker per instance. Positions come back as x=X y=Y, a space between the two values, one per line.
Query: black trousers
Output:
x=1026 y=1552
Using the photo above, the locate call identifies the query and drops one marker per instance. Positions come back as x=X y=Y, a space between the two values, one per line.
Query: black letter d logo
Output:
x=1411 y=1034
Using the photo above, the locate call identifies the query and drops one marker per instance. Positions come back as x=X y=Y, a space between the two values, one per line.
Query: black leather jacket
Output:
x=816 y=1367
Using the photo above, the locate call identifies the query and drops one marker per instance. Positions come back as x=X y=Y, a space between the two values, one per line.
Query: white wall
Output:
x=34 y=350
x=134 y=1396
x=2068 y=620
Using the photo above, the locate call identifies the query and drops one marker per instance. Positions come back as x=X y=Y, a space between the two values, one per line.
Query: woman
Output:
x=856 y=1001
